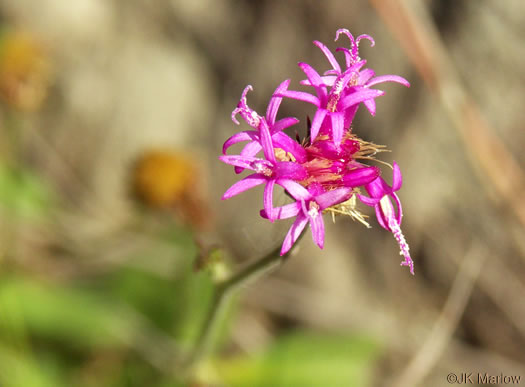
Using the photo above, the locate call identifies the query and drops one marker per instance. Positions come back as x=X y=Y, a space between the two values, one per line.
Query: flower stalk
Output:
x=224 y=292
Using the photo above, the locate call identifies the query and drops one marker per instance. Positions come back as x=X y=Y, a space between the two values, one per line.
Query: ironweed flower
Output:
x=322 y=173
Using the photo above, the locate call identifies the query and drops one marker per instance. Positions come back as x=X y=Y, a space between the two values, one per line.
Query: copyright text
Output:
x=482 y=378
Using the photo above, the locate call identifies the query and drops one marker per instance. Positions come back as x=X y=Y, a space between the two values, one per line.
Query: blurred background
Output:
x=112 y=231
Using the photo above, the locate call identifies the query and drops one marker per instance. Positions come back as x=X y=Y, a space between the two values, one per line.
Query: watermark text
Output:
x=482 y=378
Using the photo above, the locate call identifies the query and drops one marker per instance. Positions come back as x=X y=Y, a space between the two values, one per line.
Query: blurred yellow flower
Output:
x=168 y=179
x=24 y=71
x=162 y=177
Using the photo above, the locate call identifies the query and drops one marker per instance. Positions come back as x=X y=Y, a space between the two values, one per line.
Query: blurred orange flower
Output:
x=166 y=179
x=24 y=71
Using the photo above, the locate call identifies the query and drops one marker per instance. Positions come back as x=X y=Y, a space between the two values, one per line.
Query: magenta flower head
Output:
x=324 y=172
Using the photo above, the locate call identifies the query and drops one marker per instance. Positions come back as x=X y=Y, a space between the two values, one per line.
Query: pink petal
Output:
x=397 y=178
x=337 y=127
x=283 y=124
x=244 y=185
x=378 y=188
x=358 y=97
x=275 y=102
x=294 y=233
x=348 y=55
x=284 y=212
x=266 y=141
x=349 y=115
x=244 y=161
x=360 y=176
x=268 y=199
x=365 y=75
x=312 y=75
x=297 y=191
x=283 y=141
x=328 y=80
x=250 y=150
x=388 y=78
x=371 y=106
x=301 y=96
x=368 y=201
x=239 y=137
x=315 y=80
x=331 y=198
x=317 y=227
x=399 y=214
x=329 y=56
x=380 y=216
x=316 y=123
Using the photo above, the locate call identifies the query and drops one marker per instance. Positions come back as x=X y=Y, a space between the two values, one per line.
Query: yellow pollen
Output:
x=282 y=155
x=348 y=208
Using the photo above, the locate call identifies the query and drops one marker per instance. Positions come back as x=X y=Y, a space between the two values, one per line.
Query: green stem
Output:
x=224 y=292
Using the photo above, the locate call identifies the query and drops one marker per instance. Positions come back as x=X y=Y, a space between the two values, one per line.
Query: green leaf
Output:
x=19 y=369
x=23 y=194
x=305 y=360
x=64 y=314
